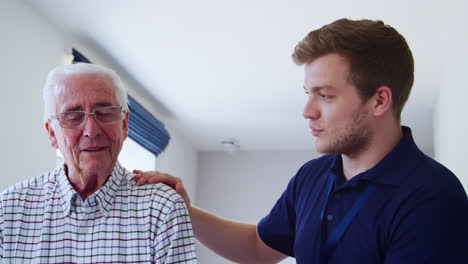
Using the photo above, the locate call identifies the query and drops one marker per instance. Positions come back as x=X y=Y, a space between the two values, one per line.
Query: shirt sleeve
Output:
x=277 y=229
x=1 y=230
x=175 y=242
x=434 y=230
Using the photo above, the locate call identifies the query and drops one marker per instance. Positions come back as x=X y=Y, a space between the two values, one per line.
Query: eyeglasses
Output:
x=103 y=115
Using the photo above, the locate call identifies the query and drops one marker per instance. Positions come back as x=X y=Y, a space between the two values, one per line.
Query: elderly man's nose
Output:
x=91 y=127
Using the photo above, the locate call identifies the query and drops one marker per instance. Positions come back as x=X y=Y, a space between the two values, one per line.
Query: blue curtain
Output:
x=143 y=127
x=78 y=57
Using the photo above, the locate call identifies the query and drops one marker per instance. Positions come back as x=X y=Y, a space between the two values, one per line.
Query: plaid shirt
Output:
x=43 y=220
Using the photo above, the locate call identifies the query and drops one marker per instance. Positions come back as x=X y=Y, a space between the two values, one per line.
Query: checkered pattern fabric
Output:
x=43 y=220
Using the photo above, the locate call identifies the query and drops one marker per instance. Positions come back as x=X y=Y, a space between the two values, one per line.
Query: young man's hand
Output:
x=145 y=177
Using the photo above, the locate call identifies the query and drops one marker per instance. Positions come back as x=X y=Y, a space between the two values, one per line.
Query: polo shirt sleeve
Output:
x=277 y=229
x=431 y=229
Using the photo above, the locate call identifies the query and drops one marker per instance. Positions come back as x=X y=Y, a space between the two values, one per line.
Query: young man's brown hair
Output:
x=377 y=53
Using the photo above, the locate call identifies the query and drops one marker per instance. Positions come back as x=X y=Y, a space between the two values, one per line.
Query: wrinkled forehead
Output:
x=85 y=90
x=84 y=82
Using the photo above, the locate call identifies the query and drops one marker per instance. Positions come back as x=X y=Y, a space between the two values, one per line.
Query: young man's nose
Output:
x=311 y=111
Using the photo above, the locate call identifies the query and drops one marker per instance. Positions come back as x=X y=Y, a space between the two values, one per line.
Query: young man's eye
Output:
x=325 y=97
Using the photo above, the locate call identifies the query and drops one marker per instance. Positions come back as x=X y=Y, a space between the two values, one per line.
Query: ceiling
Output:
x=223 y=68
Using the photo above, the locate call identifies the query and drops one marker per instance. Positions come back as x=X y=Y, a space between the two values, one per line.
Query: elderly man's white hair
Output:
x=60 y=73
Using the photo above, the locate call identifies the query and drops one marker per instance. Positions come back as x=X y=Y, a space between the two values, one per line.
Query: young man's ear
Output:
x=382 y=100
x=51 y=132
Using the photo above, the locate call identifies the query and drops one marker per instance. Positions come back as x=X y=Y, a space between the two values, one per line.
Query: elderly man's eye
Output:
x=72 y=116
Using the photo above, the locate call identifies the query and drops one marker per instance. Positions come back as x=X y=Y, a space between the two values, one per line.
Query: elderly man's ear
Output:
x=51 y=132
x=125 y=124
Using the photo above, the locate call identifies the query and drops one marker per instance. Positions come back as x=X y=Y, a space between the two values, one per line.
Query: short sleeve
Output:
x=277 y=229
x=175 y=242
x=434 y=230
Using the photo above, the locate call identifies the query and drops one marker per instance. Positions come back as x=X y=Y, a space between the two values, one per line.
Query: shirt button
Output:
x=330 y=217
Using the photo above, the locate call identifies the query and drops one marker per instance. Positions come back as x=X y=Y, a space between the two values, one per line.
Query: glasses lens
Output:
x=108 y=115
x=71 y=119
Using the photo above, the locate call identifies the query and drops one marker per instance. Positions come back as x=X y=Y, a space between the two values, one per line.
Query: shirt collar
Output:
x=394 y=167
x=65 y=190
x=103 y=198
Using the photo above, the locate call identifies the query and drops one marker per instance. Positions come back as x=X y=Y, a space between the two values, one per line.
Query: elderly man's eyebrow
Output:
x=74 y=108
x=102 y=104
x=80 y=107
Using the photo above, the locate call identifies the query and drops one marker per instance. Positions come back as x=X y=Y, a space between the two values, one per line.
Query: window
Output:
x=134 y=156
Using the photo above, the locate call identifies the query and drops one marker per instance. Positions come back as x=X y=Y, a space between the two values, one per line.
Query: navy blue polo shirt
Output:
x=418 y=213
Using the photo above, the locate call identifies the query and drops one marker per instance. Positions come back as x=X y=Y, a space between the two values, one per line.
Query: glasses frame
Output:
x=93 y=113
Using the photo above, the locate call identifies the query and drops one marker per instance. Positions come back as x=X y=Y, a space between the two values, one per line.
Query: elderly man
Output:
x=90 y=210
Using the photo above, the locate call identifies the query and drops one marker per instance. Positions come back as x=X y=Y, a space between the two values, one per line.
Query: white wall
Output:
x=29 y=48
x=244 y=186
x=451 y=121
x=180 y=159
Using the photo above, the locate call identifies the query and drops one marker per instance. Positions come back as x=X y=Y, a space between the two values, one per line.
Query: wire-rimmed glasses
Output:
x=103 y=115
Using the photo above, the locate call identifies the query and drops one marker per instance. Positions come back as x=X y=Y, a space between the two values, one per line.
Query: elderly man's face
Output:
x=91 y=148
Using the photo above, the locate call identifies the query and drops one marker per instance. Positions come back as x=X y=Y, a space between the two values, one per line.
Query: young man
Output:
x=374 y=197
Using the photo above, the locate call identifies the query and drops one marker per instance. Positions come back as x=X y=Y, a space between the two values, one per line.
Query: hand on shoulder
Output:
x=147 y=177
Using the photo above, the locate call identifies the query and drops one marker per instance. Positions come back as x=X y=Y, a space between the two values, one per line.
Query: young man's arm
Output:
x=235 y=241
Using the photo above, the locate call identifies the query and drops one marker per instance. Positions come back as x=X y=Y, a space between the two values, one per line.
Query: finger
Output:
x=155 y=177
x=165 y=178
x=183 y=192
x=142 y=177
x=140 y=180
x=180 y=188
x=137 y=175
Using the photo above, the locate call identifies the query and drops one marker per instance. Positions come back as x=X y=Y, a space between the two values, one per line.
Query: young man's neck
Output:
x=382 y=143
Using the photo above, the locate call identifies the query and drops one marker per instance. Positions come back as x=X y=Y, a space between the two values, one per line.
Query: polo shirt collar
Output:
x=393 y=168
x=103 y=198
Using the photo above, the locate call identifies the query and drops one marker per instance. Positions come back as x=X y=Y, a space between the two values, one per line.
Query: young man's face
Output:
x=92 y=147
x=338 y=117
